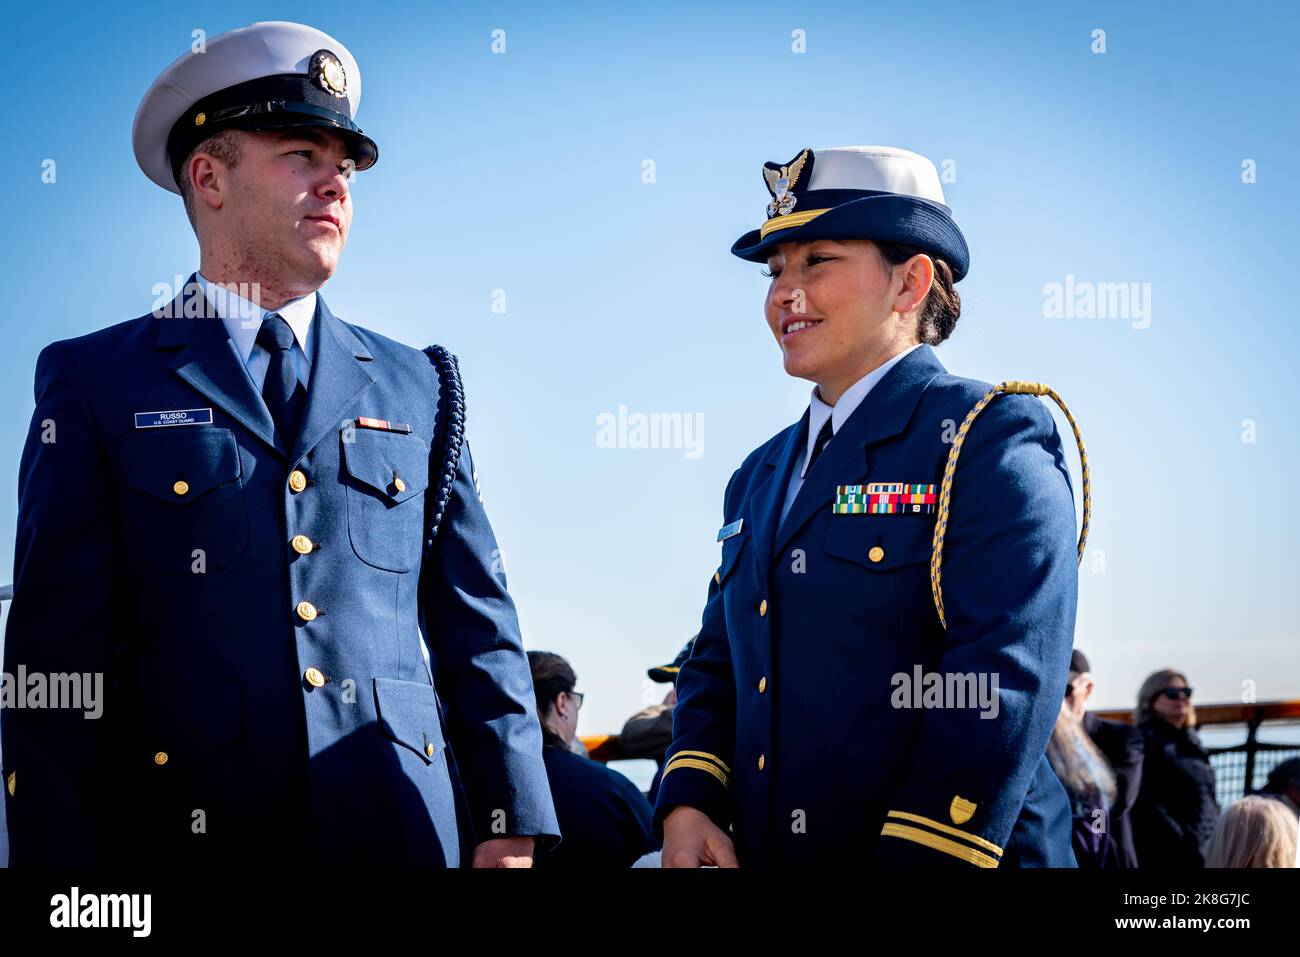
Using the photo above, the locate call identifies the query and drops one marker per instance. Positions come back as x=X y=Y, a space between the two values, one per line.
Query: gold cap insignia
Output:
x=961 y=810
x=781 y=181
x=200 y=119
x=326 y=71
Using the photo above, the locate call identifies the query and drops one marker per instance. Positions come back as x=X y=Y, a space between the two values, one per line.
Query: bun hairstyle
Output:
x=942 y=306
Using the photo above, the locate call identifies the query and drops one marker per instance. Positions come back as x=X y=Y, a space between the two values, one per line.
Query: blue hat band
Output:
x=862 y=214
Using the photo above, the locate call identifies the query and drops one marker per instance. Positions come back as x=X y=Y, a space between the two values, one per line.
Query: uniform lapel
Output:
x=338 y=377
x=884 y=413
x=769 y=495
x=208 y=361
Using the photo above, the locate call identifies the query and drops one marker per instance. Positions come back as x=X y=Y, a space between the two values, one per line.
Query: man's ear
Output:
x=208 y=179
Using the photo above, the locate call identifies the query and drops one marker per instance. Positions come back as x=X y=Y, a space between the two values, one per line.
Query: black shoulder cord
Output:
x=449 y=436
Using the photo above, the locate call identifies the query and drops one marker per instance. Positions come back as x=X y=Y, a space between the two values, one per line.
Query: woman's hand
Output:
x=691 y=839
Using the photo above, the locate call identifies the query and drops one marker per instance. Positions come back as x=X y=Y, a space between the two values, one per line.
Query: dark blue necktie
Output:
x=823 y=437
x=283 y=394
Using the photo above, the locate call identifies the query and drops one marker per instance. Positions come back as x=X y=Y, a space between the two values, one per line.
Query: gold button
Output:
x=762 y=608
x=314 y=677
x=180 y=488
x=160 y=758
x=12 y=782
x=762 y=684
x=306 y=611
x=302 y=544
x=761 y=762
x=297 y=481
x=876 y=553
x=399 y=484
x=717 y=578
x=428 y=749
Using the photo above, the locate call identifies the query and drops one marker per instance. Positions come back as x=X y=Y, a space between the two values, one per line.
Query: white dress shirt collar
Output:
x=819 y=411
x=243 y=318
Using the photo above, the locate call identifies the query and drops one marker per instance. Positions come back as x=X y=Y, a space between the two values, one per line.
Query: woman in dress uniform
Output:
x=886 y=639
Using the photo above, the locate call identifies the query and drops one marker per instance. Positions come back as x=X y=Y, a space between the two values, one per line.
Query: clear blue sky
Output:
x=523 y=172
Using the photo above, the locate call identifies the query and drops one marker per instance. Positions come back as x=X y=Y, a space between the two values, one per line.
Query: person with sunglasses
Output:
x=1175 y=813
x=605 y=821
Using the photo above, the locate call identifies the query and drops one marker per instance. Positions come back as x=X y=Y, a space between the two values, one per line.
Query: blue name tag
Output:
x=727 y=531
x=156 y=420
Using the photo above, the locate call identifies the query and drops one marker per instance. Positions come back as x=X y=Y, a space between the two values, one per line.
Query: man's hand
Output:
x=691 y=839
x=504 y=852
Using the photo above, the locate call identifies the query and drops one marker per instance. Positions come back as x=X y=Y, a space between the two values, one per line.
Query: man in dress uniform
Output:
x=225 y=510
x=827 y=715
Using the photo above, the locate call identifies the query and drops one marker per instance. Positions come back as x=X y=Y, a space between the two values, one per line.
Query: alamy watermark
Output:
x=651 y=430
x=186 y=300
x=955 y=690
x=1098 y=300
x=37 y=690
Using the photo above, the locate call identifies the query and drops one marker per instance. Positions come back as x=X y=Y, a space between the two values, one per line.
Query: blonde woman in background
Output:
x=1254 y=832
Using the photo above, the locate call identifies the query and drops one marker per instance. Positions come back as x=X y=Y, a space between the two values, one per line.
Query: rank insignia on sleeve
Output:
x=885 y=498
x=961 y=810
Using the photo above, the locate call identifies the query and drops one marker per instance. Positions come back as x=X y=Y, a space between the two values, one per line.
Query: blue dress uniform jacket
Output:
x=266 y=697
x=788 y=727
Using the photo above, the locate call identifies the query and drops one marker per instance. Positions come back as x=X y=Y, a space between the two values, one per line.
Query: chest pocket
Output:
x=183 y=502
x=387 y=475
x=881 y=543
x=731 y=550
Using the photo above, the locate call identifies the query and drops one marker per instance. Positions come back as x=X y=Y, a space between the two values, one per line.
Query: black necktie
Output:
x=283 y=394
x=823 y=437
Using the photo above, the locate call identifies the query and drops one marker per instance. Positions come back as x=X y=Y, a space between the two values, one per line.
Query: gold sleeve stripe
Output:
x=692 y=763
x=952 y=848
x=701 y=754
x=973 y=838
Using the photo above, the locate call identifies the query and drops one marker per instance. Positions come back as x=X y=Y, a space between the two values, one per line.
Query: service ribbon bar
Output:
x=885 y=498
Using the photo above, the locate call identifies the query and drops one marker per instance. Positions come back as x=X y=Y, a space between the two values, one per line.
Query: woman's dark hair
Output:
x=1152 y=688
x=551 y=676
x=942 y=307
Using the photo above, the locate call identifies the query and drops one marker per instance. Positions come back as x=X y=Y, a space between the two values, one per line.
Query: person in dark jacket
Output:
x=605 y=822
x=1088 y=780
x=1283 y=784
x=1121 y=743
x=649 y=732
x=1175 y=812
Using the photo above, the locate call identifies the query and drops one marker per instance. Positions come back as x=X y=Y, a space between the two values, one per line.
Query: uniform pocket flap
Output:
x=393 y=465
x=881 y=542
x=178 y=465
x=408 y=713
